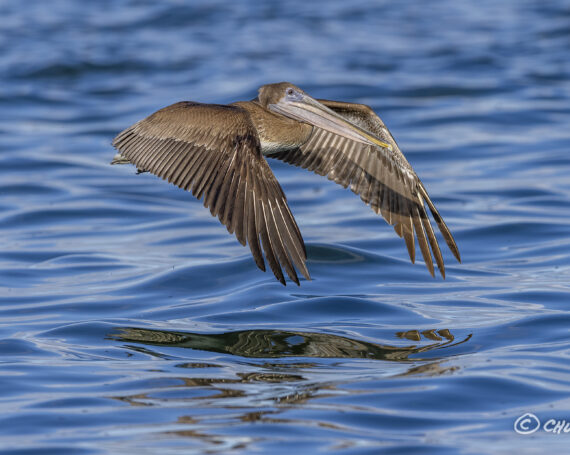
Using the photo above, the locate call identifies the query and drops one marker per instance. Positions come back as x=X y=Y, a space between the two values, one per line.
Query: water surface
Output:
x=131 y=322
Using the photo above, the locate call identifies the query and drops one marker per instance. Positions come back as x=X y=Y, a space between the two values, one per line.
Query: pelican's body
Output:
x=217 y=151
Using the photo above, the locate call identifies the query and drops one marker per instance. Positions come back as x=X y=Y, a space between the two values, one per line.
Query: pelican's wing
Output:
x=383 y=178
x=214 y=151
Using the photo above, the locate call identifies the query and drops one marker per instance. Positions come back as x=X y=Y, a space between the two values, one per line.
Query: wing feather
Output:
x=383 y=178
x=422 y=240
x=214 y=152
x=431 y=238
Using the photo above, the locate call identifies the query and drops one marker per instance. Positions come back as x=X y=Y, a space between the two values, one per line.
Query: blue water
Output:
x=131 y=322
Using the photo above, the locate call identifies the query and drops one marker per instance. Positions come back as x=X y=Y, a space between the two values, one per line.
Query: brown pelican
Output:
x=217 y=152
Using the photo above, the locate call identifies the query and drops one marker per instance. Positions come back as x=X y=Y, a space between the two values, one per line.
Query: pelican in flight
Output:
x=218 y=152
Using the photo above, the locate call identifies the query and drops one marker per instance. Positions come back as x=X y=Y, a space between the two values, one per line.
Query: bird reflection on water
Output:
x=277 y=343
x=276 y=386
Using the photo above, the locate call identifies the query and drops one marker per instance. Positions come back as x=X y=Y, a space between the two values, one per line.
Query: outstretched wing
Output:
x=383 y=178
x=214 y=151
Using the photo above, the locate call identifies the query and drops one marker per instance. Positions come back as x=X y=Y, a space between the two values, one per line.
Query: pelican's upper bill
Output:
x=218 y=152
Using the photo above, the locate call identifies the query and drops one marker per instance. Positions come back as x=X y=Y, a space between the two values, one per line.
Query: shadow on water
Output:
x=277 y=343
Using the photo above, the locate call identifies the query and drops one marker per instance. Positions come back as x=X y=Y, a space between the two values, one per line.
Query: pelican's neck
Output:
x=276 y=133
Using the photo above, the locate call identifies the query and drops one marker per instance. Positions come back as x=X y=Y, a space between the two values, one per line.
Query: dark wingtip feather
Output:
x=408 y=230
x=431 y=238
x=441 y=224
x=305 y=273
x=423 y=241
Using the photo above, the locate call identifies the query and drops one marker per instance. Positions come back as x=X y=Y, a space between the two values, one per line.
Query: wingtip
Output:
x=448 y=237
x=457 y=255
x=305 y=272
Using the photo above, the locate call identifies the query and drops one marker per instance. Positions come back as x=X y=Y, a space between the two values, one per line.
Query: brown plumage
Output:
x=217 y=152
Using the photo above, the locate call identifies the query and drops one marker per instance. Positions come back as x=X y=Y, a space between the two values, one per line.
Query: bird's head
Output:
x=280 y=92
x=290 y=101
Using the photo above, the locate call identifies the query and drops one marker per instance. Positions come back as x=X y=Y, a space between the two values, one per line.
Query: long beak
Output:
x=310 y=111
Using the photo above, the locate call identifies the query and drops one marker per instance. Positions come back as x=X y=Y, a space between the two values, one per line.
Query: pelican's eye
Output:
x=292 y=95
